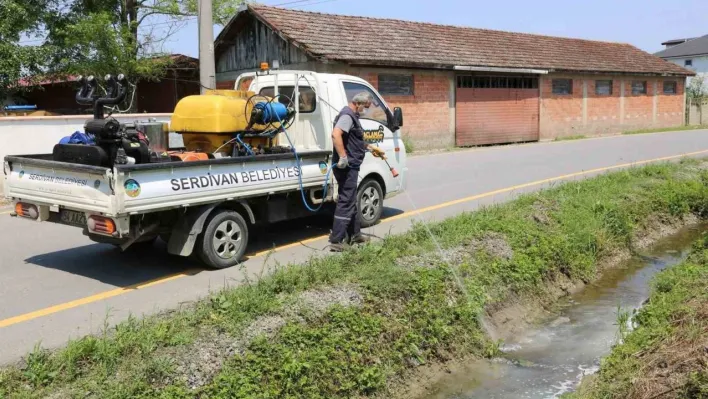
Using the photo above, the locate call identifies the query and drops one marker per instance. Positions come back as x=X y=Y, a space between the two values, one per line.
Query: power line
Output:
x=290 y=2
x=312 y=4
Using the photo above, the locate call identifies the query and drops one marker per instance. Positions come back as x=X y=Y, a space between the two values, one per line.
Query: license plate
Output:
x=73 y=218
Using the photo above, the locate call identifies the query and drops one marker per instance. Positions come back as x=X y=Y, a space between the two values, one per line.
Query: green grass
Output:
x=670 y=339
x=409 y=315
x=665 y=129
x=408 y=144
x=568 y=138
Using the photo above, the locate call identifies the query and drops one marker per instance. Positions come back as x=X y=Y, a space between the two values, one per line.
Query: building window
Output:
x=496 y=82
x=670 y=87
x=562 y=86
x=688 y=63
x=308 y=99
x=603 y=87
x=639 y=87
x=396 y=85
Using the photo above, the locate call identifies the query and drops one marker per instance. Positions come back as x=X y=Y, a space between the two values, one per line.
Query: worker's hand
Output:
x=377 y=152
x=343 y=162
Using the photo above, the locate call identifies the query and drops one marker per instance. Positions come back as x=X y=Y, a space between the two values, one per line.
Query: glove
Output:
x=377 y=152
x=343 y=162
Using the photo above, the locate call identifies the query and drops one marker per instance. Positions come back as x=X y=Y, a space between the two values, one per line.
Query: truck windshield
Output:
x=376 y=111
x=308 y=99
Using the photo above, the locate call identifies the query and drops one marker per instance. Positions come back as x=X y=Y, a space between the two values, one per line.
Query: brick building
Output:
x=465 y=86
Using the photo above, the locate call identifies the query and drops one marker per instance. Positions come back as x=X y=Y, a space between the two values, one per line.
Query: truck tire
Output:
x=369 y=202
x=223 y=242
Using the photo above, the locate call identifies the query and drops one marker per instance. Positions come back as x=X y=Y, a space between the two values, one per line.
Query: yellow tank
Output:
x=217 y=111
x=208 y=121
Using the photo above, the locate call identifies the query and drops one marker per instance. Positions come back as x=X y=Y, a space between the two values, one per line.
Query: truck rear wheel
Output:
x=370 y=202
x=223 y=242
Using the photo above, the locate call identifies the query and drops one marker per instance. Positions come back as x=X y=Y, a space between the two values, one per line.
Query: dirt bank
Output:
x=393 y=307
x=519 y=313
x=666 y=355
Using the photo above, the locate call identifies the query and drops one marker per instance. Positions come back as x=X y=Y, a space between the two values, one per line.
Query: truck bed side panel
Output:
x=144 y=189
x=79 y=187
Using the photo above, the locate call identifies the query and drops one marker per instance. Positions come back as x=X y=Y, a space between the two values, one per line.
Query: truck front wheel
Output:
x=223 y=242
x=370 y=202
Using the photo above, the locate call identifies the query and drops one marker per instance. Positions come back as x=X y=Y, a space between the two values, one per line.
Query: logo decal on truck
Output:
x=374 y=136
x=323 y=167
x=22 y=174
x=132 y=188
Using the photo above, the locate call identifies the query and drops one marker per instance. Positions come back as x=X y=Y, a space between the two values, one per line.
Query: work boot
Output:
x=360 y=239
x=338 y=247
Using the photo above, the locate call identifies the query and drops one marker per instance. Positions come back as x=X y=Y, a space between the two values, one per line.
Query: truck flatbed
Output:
x=135 y=189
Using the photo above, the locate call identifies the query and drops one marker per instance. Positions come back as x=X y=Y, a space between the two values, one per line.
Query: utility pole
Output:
x=207 y=70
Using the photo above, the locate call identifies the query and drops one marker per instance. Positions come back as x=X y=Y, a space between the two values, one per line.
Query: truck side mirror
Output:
x=398 y=116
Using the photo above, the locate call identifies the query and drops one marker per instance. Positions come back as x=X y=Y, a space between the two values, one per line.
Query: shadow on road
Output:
x=109 y=265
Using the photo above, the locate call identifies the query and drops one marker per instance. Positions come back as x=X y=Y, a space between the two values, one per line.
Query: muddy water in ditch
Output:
x=550 y=360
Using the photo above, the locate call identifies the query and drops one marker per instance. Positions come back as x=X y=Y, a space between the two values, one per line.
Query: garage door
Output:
x=496 y=109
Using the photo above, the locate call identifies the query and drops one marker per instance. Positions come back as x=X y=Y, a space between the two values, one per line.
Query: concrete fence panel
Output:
x=698 y=113
x=37 y=135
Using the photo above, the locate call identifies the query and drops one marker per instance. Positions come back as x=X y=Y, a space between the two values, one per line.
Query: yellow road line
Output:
x=160 y=280
x=92 y=298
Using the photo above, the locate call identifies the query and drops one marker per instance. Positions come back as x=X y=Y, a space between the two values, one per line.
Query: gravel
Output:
x=494 y=244
x=198 y=363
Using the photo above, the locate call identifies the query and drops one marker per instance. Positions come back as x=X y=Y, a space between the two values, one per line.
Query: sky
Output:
x=642 y=23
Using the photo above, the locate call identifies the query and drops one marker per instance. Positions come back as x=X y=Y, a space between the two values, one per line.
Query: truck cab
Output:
x=319 y=97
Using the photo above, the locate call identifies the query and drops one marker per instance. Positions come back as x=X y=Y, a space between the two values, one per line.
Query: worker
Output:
x=348 y=154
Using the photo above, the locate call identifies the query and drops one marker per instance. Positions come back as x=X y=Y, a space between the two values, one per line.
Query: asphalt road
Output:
x=56 y=284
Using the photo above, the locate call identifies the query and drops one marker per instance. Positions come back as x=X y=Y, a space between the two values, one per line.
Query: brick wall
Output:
x=638 y=108
x=561 y=114
x=670 y=107
x=587 y=113
x=427 y=117
x=603 y=110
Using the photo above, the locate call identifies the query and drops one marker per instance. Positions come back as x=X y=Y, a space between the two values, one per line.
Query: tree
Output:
x=108 y=36
x=696 y=90
x=19 y=64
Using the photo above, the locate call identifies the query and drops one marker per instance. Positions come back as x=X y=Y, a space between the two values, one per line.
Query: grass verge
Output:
x=665 y=129
x=569 y=138
x=258 y=341
x=666 y=355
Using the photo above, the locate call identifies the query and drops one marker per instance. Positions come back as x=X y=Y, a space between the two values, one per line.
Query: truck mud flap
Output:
x=188 y=228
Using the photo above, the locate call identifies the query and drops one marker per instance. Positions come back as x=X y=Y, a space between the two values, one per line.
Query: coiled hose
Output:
x=325 y=186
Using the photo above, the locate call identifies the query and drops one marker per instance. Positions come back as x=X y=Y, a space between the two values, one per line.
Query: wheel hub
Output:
x=370 y=203
x=227 y=239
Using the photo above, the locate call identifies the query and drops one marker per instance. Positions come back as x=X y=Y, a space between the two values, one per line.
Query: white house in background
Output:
x=691 y=53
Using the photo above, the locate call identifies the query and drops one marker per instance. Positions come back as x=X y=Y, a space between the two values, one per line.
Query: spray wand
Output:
x=378 y=153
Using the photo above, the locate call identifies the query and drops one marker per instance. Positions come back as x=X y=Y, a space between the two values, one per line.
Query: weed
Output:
x=408 y=144
x=666 y=129
x=569 y=138
x=405 y=316
x=667 y=346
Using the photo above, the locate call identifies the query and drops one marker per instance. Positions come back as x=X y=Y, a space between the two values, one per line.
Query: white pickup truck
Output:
x=207 y=207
